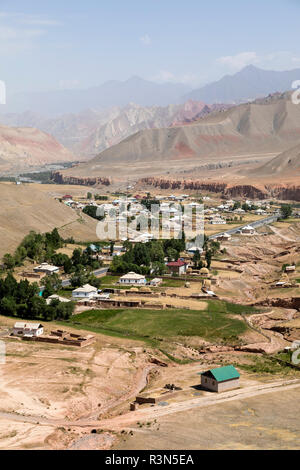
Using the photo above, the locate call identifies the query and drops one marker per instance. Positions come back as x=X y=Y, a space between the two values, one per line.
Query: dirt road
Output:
x=129 y=419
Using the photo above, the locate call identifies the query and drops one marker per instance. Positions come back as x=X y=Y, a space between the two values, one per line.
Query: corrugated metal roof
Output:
x=225 y=373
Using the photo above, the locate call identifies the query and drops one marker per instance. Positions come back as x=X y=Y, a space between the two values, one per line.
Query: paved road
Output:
x=256 y=224
x=98 y=272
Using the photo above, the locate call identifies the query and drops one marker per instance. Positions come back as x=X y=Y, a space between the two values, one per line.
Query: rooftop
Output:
x=224 y=373
x=176 y=264
x=132 y=275
x=86 y=288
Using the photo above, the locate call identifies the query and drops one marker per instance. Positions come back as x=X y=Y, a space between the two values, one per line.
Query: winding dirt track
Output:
x=124 y=421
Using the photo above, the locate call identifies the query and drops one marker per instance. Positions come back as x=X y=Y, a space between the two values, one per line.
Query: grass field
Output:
x=173 y=283
x=217 y=322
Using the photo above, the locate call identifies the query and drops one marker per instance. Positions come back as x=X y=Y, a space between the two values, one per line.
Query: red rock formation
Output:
x=252 y=191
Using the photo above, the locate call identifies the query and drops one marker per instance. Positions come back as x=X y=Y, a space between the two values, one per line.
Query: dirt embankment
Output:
x=292 y=302
x=280 y=191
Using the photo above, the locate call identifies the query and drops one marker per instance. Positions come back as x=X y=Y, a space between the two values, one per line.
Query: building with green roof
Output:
x=221 y=379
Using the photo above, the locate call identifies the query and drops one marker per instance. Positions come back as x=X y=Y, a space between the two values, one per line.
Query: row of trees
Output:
x=36 y=246
x=42 y=247
x=21 y=299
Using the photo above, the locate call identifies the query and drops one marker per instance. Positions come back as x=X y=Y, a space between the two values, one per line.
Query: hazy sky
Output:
x=77 y=44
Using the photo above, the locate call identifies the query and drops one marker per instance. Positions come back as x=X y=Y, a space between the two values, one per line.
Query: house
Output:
x=248 y=230
x=46 y=268
x=85 y=292
x=27 y=329
x=221 y=379
x=224 y=237
x=133 y=279
x=239 y=211
x=260 y=212
x=218 y=221
x=290 y=269
x=193 y=249
x=177 y=267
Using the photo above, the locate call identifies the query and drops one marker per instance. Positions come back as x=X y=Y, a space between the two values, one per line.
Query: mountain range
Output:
x=120 y=119
x=248 y=84
x=109 y=94
x=89 y=132
x=265 y=126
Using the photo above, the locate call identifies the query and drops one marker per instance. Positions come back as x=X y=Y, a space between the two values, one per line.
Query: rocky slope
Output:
x=25 y=148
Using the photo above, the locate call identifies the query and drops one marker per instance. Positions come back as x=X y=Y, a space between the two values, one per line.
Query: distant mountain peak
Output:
x=248 y=84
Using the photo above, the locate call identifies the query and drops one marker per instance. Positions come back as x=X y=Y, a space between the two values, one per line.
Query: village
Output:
x=213 y=311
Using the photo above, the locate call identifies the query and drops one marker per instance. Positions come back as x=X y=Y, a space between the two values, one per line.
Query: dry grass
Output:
x=32 y=207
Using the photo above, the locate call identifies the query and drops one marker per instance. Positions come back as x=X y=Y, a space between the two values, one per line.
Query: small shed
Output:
x=221 y=379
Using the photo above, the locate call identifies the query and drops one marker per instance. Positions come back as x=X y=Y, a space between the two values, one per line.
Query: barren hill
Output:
x=134 y=118
x=32 y=207
x=266 y=126
x=89 y=132
x=24 y=147
x=285 y=164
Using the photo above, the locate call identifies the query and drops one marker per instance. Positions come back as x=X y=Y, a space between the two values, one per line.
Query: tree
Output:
x=172 y=254
x=8 y=261
x=94 y=281
x=156 y=251
x=286 y=211
x=214 y=246
x=92 y=211
x=68 y=266
x=79 y=279
x=246 y=207
x=52 y=284
x=8 y=306
x=208 y=258
x=89 y=195
x=158 y=268
x=141 y=255
x=36 y=307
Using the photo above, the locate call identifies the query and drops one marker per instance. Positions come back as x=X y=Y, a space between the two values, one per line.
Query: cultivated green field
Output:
x=217 y=322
